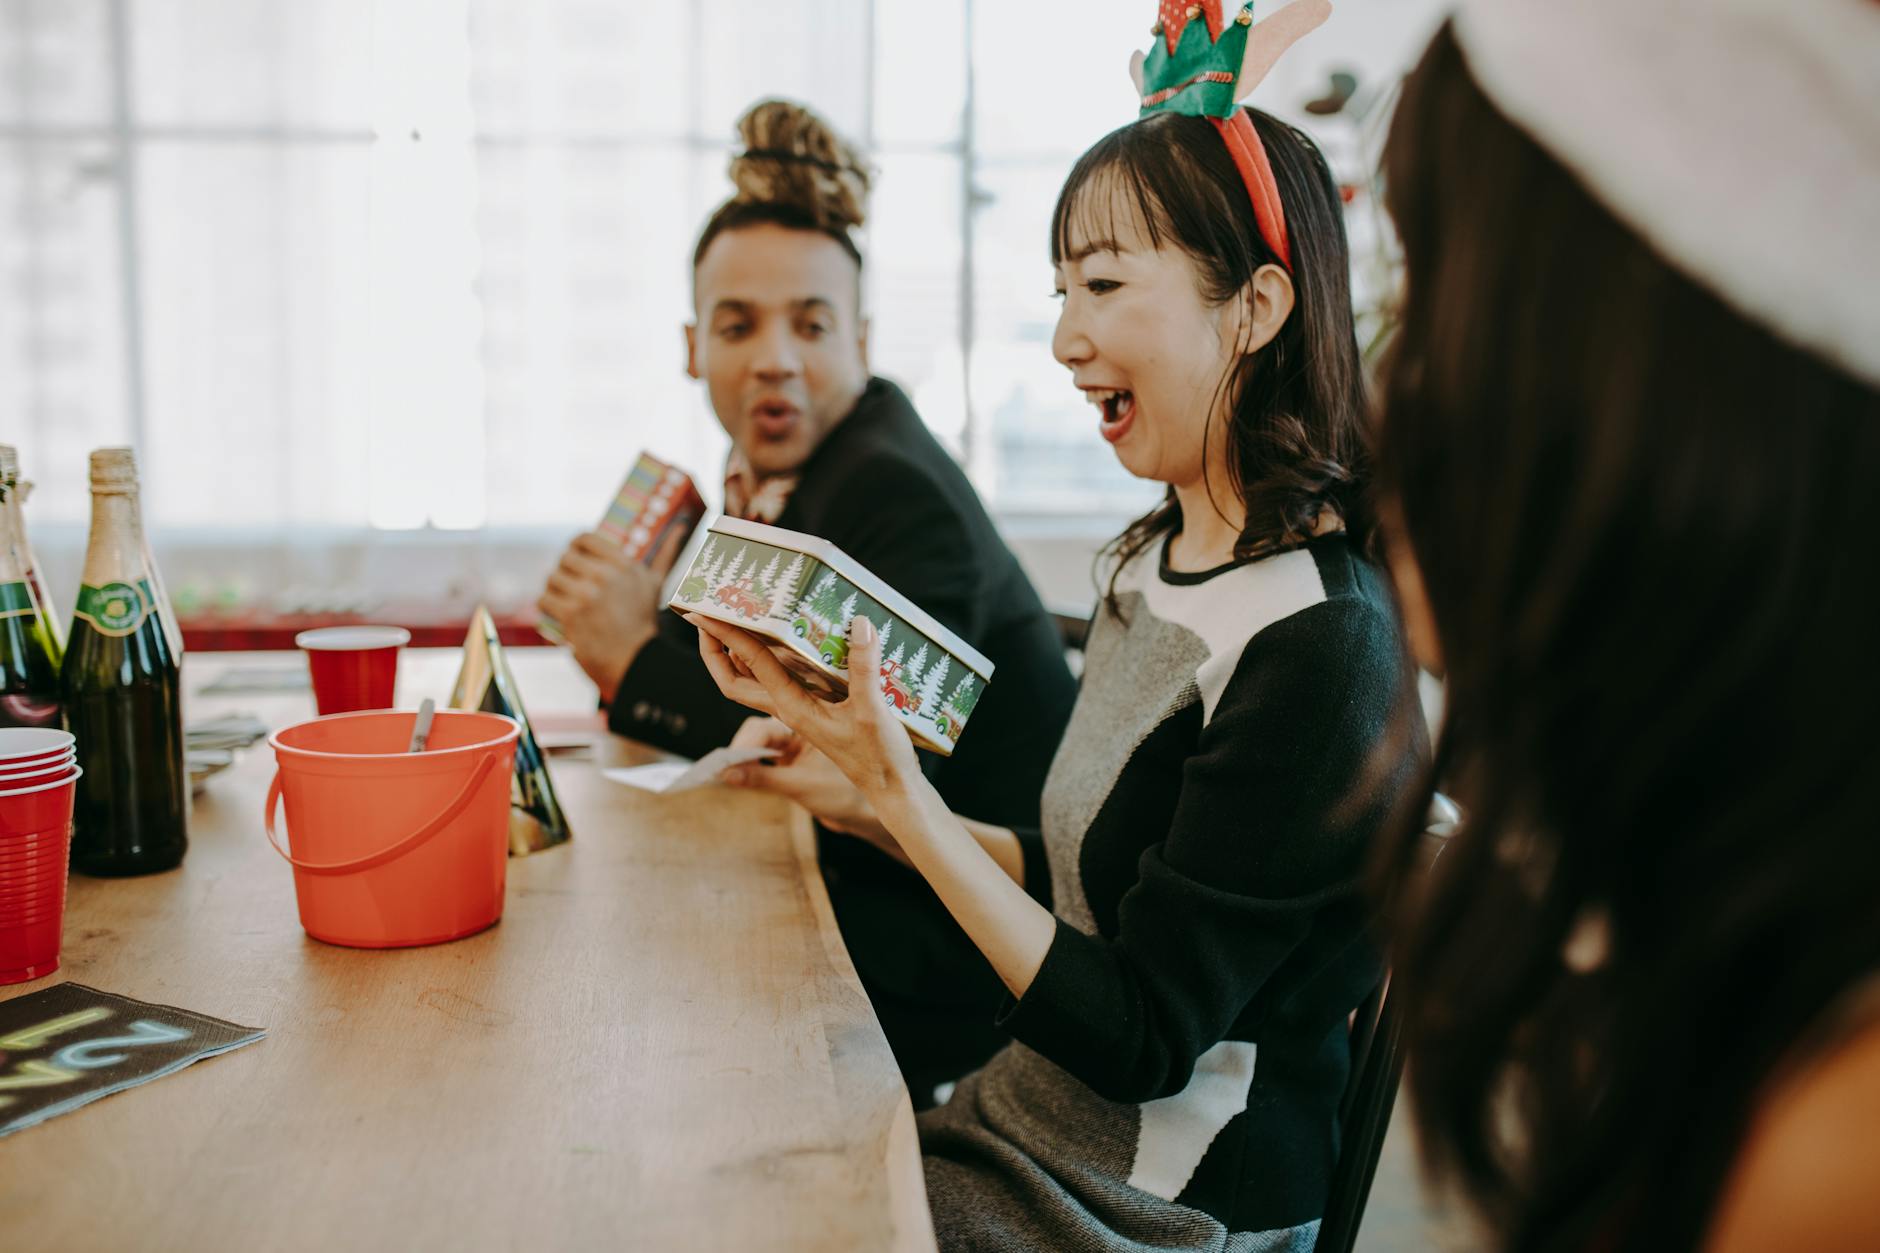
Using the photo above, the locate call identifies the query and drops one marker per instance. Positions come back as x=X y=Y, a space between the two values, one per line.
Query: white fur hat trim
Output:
x=1740 y=137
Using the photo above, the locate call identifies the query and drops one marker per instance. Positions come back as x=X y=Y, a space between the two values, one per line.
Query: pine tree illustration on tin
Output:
x=930 y=686
x=784 y=592
x=715 y=577
x=814 y=596
x=964 y=696
x=737 y=564
x=828 y=599
x=760 y=587
x=959 y=706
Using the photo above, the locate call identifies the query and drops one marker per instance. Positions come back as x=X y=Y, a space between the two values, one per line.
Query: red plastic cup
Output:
x=27 y=765
x=25 y=746
x=30 y=843
x=51 y=769
x=37 y=817
x=49 y=901
x=353 y=667
x=16 y=916
x=40 y=855
x=31 y=949
x=43 y=857
x=46 y=851
x=39 y=760
x=30 y=879
x=38 y=807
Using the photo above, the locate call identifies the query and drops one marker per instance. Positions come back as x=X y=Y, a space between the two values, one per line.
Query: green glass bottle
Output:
x=29 y=660
x=17 y=491
x=122 y=689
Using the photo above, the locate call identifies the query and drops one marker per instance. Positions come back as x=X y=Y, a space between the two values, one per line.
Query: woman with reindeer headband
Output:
x=1180 y=1022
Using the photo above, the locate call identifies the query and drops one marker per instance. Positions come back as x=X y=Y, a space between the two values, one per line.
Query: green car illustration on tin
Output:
x=832 y=648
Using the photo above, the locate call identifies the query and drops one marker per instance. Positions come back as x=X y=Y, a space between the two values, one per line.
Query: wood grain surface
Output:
x=662 y=1045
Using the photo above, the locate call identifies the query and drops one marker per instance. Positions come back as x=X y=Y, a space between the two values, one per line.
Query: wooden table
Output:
x=661 y=1046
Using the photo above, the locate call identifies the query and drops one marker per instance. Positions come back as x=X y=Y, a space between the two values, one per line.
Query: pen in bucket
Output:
x=421 y=730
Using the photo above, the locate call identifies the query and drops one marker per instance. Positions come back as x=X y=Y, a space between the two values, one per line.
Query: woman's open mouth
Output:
x=1118 y=409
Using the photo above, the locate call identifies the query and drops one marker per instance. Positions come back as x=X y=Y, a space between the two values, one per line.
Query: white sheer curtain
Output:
x=364 y=267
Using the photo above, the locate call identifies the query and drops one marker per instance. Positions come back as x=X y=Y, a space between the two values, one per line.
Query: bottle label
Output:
x=116 y=608
x=16 y=601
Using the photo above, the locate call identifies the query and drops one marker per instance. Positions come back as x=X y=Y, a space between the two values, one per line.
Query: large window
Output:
x=338 y=264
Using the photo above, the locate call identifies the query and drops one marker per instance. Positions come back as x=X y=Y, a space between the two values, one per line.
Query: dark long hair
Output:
x=1645 y=524
x=1296 y=438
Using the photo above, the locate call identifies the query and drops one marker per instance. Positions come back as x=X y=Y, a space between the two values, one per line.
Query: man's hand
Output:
x=607 y=604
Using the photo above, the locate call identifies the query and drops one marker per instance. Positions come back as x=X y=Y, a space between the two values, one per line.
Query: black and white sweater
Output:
x=1179 y=1058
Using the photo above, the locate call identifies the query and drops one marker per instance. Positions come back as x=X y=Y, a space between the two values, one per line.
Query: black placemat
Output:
x=68 y=1045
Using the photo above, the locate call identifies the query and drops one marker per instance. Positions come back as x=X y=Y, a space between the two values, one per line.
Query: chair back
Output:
x=1376 y=1069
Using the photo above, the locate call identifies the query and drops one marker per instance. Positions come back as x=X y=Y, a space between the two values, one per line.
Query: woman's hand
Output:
x=859 y=734
x=981 y=888
x=810 y=779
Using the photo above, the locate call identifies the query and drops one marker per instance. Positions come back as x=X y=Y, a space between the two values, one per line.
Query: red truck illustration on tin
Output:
x=895 y=688
x=741 y=600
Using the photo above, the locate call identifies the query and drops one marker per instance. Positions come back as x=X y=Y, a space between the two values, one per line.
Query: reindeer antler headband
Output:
x=1206 y=68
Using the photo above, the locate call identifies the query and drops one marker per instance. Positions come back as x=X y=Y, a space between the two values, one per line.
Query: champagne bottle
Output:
x=29 y=661
x=16 y=491
x=122 y=688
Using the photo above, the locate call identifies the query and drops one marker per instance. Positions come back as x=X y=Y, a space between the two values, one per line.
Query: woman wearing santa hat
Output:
x=1630 y=459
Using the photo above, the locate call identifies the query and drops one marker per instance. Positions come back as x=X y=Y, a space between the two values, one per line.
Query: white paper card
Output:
x=680 y=776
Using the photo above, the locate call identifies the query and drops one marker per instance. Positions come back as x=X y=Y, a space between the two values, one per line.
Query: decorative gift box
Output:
x=655 y=500
x=800 y=593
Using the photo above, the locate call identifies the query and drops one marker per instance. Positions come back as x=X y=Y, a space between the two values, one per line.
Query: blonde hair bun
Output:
x=793 y=160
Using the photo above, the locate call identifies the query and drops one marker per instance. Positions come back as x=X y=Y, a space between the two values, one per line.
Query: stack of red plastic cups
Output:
x=38 y=781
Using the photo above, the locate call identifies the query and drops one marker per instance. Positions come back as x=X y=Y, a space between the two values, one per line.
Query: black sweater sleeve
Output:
x=1259 y=846
x=667 y=697
x=889 y=514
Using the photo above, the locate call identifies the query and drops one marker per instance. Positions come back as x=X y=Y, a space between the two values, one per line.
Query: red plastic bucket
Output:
x=390 y=848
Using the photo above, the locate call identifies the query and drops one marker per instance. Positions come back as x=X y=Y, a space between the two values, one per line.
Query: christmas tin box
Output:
x=800 y=593
x=655 y=500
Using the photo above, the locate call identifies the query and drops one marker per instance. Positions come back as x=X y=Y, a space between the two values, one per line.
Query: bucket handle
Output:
x=399 y=849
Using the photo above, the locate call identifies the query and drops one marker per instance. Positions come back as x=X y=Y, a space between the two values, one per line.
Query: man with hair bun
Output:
x=819 y=445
